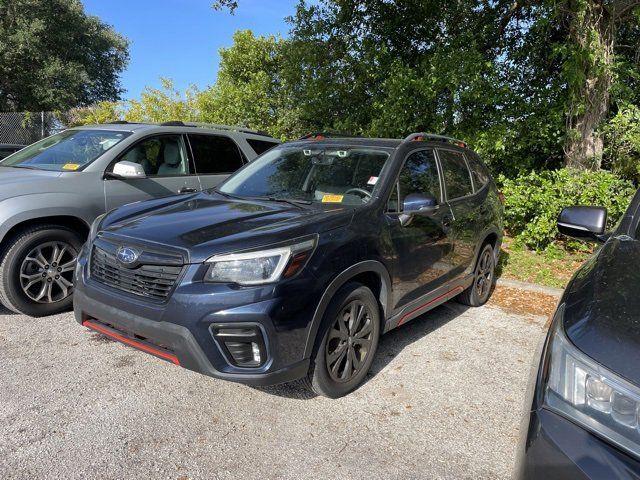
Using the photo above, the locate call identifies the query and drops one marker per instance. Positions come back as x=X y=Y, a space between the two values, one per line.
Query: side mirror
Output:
x=126 y=169
x=583 y=223
x=416 y=204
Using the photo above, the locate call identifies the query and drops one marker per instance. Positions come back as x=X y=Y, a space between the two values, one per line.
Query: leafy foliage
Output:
x=534 y=200
x=622 y=154
x=54 y=57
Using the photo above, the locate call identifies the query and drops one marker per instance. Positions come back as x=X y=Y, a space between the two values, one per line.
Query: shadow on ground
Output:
x=389 y=347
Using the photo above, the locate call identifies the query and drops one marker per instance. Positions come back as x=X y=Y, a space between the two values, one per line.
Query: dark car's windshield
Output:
x=66 y=151
x=321 y=174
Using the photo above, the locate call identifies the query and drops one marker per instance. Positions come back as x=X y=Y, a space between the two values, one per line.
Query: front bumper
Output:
x=181 y=330
x=556 y=448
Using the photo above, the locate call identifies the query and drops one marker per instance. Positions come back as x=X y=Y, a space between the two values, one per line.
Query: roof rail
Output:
x=425 y=137
x=180 y=123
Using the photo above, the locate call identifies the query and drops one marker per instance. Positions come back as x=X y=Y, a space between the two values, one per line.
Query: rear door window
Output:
x=479 y=172
x=457 y=178
x=215 y=154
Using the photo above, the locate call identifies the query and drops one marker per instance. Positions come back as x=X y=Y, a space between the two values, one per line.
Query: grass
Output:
x=553 y=268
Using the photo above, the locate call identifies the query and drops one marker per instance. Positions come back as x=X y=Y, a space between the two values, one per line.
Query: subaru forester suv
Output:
x=51 y=191
x=296 y=264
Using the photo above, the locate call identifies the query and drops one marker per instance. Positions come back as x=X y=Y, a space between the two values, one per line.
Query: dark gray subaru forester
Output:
x=294 y=266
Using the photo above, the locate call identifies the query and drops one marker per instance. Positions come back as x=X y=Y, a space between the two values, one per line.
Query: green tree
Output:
x=54 y=57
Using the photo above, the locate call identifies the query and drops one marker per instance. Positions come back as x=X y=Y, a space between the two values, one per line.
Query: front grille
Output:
x=150 y=281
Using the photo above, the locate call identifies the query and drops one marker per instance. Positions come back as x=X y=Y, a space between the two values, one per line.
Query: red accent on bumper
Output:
x=132 y=343
x=421 y=307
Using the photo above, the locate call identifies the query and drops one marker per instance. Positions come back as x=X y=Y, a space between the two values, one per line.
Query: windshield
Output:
x=66 y=151
x=323 y=175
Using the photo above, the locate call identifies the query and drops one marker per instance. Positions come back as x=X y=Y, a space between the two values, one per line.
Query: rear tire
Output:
x=484 y=279
x=348 y=342
x=36 y=271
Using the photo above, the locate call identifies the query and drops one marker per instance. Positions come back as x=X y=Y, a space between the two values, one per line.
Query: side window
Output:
x=260 y=146
x=215 y=154
x=160 y=156
x=478 y=172
x=419 y=175
x=456 y=174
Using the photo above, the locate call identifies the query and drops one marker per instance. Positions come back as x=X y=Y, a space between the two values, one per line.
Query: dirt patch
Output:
x=523 y=302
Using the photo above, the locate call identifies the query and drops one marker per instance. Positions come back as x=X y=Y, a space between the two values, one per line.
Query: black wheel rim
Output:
x=349 y=342
x=484 y=274
x=46 y=273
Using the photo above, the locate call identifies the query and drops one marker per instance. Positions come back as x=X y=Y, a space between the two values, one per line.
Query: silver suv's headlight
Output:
x=588 y=394
x=262 y=266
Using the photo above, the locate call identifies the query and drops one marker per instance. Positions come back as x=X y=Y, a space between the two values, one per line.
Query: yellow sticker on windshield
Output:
x=332 y=198
x=71 y=166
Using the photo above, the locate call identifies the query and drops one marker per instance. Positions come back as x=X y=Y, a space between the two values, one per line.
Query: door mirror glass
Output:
x=583 y=223
x=126 y=169
x=417 y=203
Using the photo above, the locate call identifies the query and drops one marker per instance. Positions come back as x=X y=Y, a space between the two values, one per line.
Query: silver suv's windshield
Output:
x=66 y=151
x=310 y=174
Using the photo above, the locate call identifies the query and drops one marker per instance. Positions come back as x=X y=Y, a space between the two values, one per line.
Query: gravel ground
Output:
x=444 y=400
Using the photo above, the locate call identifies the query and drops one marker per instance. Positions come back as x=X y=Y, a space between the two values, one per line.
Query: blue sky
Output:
x=179 y=39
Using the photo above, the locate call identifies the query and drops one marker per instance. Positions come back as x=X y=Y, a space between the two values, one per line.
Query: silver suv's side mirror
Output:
x=126 y=169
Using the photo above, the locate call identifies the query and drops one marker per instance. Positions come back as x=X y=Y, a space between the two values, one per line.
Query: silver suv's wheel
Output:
x=36 y=271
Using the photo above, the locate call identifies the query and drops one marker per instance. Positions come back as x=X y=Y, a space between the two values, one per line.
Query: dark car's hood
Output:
x=23 y=181
x=602 y=313
x=206 y=225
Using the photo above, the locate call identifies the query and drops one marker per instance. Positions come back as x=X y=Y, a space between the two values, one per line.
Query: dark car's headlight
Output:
x=95 y=227
x=590 y=395
x=262 y=266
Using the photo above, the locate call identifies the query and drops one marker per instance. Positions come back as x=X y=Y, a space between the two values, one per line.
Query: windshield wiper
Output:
x=224 y=194
x=291 y=201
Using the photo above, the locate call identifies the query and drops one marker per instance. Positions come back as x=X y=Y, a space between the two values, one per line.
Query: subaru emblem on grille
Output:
x=127 y=255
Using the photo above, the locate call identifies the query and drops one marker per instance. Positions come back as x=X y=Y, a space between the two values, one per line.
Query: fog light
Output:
x=256 y=352
x=242 y=346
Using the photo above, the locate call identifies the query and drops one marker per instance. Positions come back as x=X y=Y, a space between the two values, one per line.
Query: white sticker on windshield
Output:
x=372 y=180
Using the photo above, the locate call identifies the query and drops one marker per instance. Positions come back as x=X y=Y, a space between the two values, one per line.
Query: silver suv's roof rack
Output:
x=180 y=123
x=426 y=137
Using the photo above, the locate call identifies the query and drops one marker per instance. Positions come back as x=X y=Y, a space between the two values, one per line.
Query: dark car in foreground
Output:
x=584 y=417
x=294 y=266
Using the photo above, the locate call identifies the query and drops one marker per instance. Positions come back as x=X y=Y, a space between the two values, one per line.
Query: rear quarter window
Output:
x=479 y=172
x=260 y=146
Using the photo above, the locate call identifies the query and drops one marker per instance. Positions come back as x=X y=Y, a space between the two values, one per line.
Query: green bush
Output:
x=533 y=202
x=622 y=136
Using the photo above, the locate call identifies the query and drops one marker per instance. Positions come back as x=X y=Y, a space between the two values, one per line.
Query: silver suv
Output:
x=51 y=192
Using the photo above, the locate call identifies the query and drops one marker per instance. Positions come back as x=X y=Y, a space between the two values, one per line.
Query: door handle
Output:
x=187 y=190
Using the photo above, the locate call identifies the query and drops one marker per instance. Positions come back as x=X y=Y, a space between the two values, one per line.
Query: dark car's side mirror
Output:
x=583 y=223
x=416 y=204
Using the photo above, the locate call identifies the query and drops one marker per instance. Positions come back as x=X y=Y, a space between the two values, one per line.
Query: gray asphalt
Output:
x=444 y=400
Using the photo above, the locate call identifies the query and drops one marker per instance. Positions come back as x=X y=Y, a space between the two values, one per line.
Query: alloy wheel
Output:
x=349 y=341
x=46 y=273
x=484 y=274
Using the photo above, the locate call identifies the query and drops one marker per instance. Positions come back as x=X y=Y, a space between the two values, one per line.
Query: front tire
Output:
x=484 y=279
x=36 y=271
x=349 y=342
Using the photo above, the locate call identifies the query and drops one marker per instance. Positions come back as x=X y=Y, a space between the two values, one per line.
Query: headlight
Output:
x=95 y=226
x=263 y=266
x=590 y=395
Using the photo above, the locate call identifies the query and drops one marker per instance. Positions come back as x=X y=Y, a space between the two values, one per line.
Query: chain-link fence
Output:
x=28 y=127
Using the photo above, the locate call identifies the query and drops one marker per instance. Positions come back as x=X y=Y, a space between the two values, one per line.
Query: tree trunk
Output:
x=592 y=37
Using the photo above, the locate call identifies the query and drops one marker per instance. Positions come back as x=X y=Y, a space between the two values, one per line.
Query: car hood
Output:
x=602 y=307
x=209 y=224
x=23 y=181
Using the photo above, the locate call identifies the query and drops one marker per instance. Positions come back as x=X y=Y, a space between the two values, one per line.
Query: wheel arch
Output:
x=69 y=221
x=370 y=273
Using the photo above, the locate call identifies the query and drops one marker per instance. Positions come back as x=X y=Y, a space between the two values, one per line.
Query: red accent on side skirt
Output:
x=404 y=318
x=132 y=343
